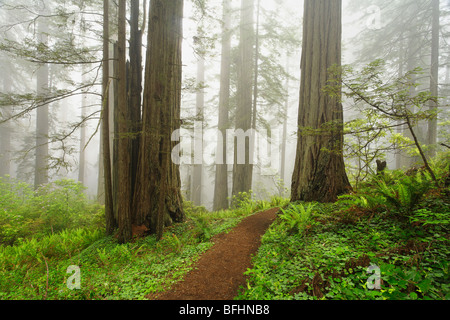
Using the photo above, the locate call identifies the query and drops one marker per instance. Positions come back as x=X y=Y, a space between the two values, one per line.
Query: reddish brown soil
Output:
x=220 y=271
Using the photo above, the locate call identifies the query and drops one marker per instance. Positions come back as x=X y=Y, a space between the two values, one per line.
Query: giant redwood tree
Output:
x=148 y=195
x=157 y=199
x=242 y=172
x=319 y=173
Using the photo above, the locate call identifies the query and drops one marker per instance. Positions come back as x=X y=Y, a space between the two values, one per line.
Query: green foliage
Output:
x=369 y=201
x=278 y=201
x=109 y=270
x=330 y=261
x=308 y=253
x=426 y=217
x=406 y=193
x=52 y=208
x=297 y=218
x=383 y=104
x=202 y=229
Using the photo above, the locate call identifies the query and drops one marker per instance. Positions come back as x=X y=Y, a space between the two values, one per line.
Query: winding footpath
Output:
x=220 y=271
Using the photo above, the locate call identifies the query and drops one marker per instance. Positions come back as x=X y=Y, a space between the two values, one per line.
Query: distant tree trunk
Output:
x=221 y=181
x=158 y=200
x=124 y=160
x=285 y=124
x=42 y=117
x=242 y=173
x=111 y=223
x=114 y=131
x=413 y=60
x=432 y=124
x=82 y=157
x=252 y=147
x=198 y=139
x=5 y=132
x=319 y=173
x=401 y=73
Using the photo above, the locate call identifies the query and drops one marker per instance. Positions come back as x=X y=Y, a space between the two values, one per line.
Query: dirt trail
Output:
x=220 y=271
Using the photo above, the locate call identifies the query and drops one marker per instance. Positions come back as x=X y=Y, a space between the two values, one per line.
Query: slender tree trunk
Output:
x=5 y=132
x=124 y=161
x=114 y=131
x=82 y=157
x=411 y=63
x=242 y=173
x=111 y=224
x=319 y=167
x=198 y=139
x=400 y=129
x=252 y=146
x=42 y=117
x=221 y=182
x=158 y=200
x=135 y=87
x=285 y=124
x=432 y=124
x=421 y=152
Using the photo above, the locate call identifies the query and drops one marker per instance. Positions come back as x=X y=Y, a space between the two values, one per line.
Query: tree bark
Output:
x=434 y=80
x=82 y=156
x=285 y=125
x=197 y=178
x=158 y=200
x=319 y=173
x=42 y=117
x=135 y=87
x=221 y=182
x=111 y=223
x=124 y=159
x=242 y=172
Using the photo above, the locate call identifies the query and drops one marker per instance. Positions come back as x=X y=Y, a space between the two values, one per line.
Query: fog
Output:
x=371 y=30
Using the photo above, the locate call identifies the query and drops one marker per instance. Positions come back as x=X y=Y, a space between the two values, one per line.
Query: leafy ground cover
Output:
x=389 y=240
x=392 y=232
x=35 y=264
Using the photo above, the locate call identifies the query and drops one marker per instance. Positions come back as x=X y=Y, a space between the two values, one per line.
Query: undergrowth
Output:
x=398 y=226
x=35 y=265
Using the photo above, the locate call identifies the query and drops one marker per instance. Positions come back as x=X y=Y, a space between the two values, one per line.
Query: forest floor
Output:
x=219 y=273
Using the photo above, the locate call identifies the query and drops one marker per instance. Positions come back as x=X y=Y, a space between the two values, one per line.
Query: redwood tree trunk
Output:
x=42 y=118
x=106 y=149
x=434 y=80
x=221 y=181
x=135 y=87
x=158 y=200
x=319 y=173
x=242 y=172
x=124 y=158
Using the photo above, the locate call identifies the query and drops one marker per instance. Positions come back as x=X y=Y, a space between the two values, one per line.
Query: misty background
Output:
x=396 y=31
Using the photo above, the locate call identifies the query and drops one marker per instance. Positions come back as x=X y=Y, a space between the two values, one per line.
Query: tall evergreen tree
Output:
x=319 y=173
x=242 y=172
x=221 y=180
x=42 y=115
x=158 y=200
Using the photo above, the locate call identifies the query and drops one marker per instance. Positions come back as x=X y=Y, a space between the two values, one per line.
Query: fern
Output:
x=297 y=217
x=364 y=201
x=405 y=194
